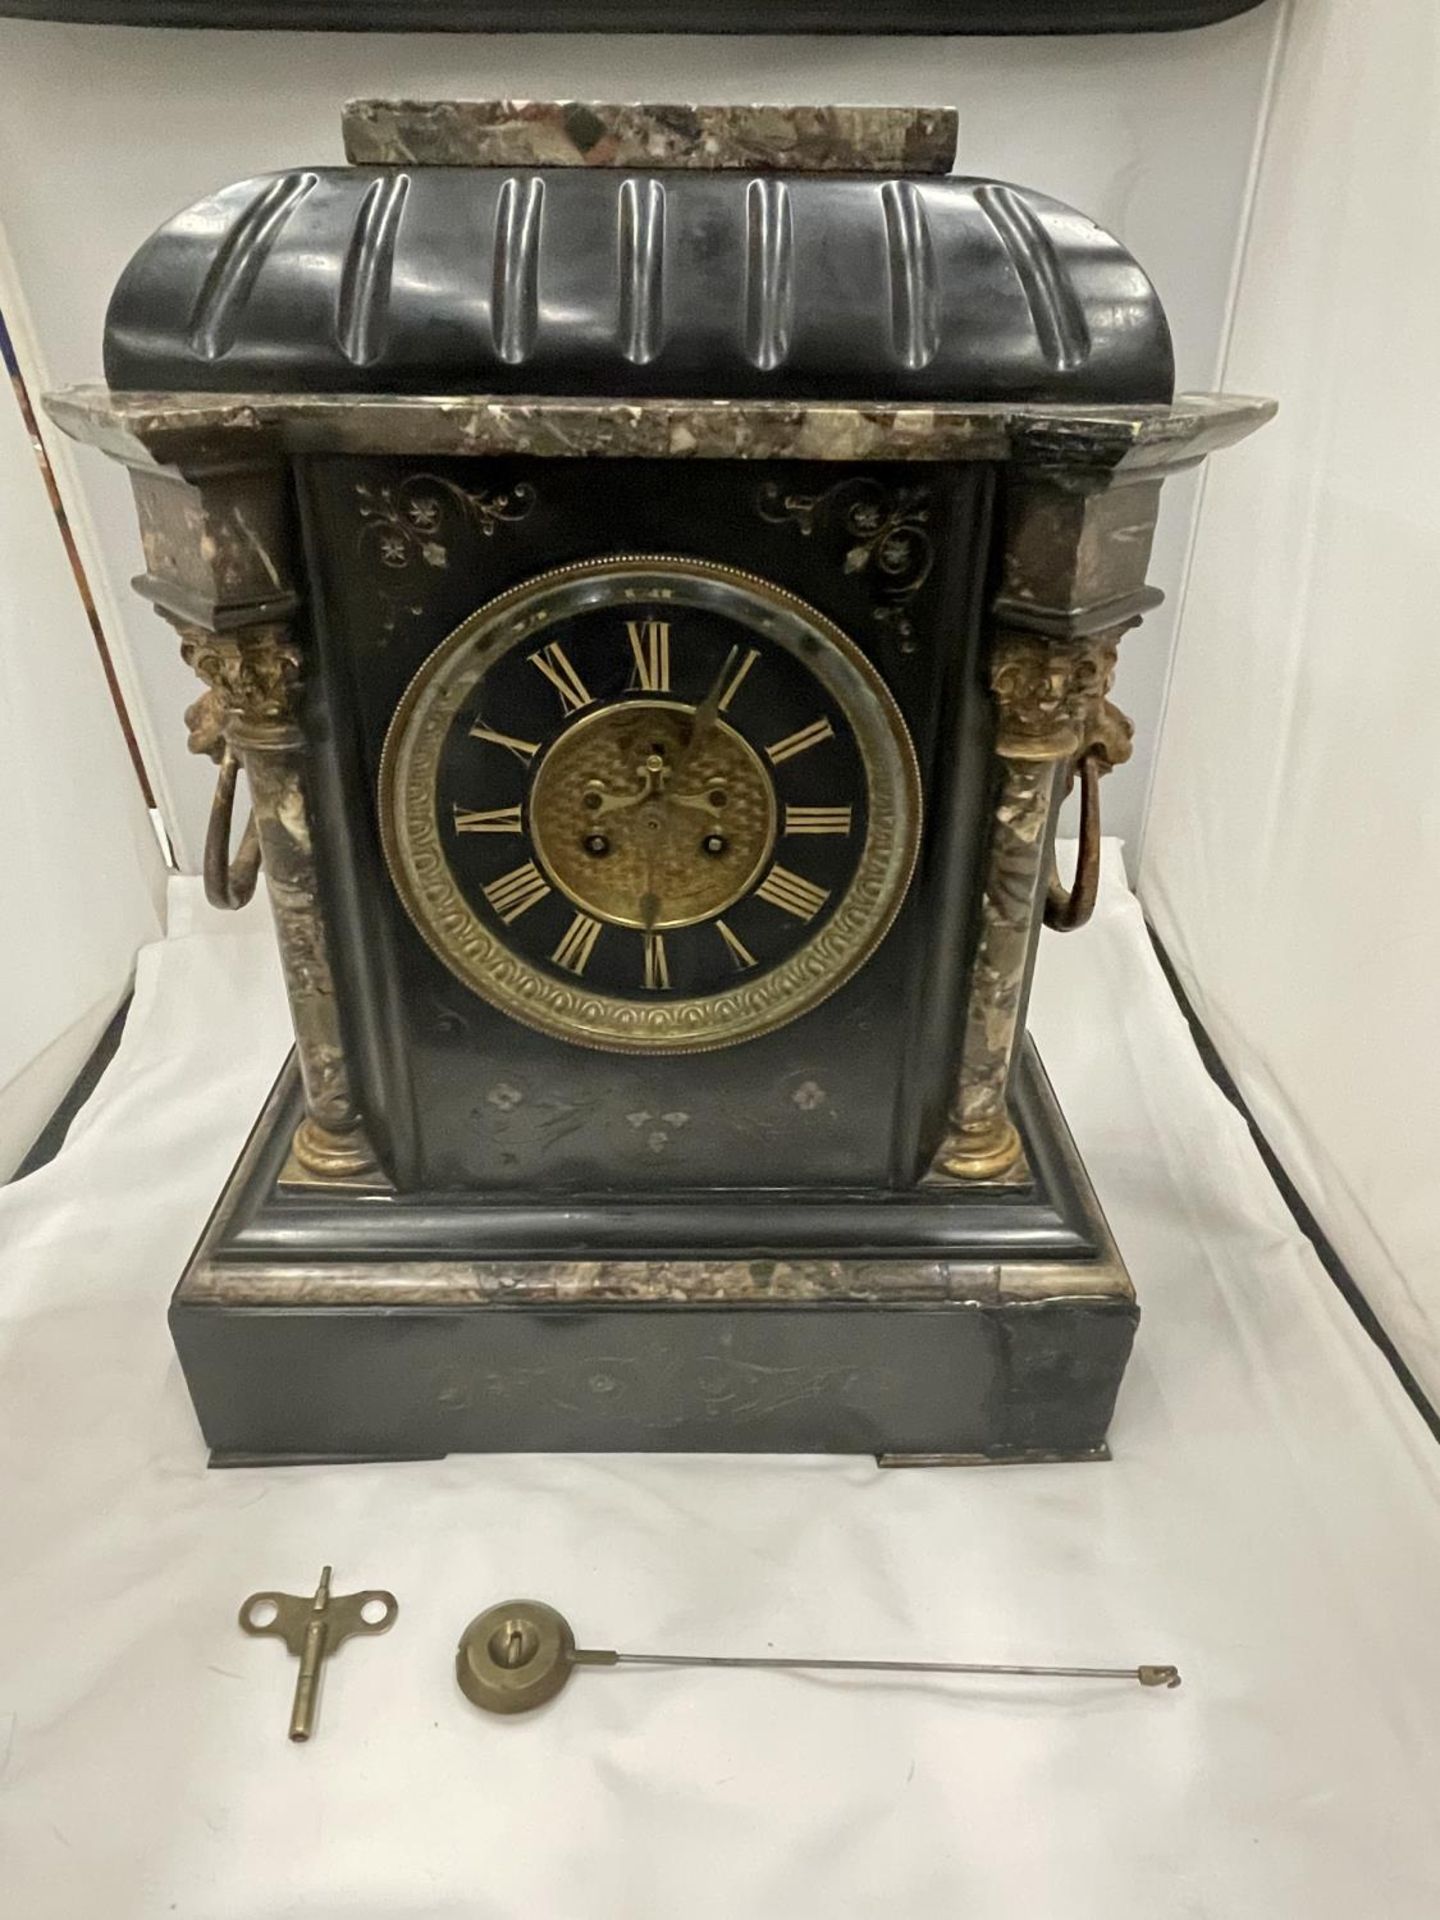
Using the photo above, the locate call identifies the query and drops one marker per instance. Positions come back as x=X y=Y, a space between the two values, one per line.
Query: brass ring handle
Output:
x=1067 y=910
x=229 y=878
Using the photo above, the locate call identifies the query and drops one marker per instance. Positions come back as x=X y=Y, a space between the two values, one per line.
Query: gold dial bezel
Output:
x=567 y=1009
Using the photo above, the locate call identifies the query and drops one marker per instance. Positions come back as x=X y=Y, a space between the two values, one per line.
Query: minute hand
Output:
x=707 y=713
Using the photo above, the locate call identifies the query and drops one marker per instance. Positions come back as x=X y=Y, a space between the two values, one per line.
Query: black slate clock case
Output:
x=852 y=1094
x=914 y=288
x=903 y=400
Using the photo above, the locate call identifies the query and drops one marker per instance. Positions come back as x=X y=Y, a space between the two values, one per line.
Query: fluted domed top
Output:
x=616 y=282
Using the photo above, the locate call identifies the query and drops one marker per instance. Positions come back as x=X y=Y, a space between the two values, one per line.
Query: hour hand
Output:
x=696 y=802
x=599 y=803
x=650 y=779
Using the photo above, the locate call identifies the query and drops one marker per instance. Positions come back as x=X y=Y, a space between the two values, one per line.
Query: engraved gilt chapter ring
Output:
x=410 y=819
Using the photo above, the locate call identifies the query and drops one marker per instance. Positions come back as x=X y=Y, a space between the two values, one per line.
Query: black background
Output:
x=652 y=16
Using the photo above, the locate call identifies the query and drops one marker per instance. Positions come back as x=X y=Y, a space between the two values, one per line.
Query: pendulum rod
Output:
x=520 y=1654
x=1148 y=1676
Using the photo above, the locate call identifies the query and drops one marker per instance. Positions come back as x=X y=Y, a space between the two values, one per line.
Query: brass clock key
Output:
x=519 y=1654
x=313 y=1629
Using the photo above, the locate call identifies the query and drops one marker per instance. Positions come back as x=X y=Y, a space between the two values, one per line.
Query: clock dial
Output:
x=650 y=804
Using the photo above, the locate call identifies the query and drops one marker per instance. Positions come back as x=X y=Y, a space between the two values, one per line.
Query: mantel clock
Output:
x=658 y=571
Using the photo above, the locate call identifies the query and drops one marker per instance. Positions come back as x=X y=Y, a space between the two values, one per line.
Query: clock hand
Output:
x=649 y=902
x=616 y=802
x=707 y=713
x=695 y=802
x=650 y=776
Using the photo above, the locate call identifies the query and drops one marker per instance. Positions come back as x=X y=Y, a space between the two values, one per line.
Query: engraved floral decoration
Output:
x=888 y=530
x=657 y=1135
x=448 y=1023
x=667 y=1389
x=406 y=528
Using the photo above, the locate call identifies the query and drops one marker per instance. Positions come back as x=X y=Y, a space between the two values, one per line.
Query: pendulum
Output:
x=519 y=1654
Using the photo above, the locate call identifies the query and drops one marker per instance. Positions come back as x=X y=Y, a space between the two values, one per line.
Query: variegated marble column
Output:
x=1051 y=706
x=254 y=674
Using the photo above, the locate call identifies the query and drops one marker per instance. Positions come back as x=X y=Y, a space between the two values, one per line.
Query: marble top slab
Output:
x=586 y=133
x=157 y=428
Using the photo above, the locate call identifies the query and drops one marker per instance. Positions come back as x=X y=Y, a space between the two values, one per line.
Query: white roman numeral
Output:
x=735 y=679
x=497 y=820
x=788 y=891
x=525 y=750
x=657 y=968
x=794 y=743
x=739 y=952
x=817 y=819
x=650 y=644
x=575 y=949
x=555 y=664
x=516 y=892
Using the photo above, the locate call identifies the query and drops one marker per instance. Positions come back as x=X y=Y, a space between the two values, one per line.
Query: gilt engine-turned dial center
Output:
x=650 y=804
x=650 y=814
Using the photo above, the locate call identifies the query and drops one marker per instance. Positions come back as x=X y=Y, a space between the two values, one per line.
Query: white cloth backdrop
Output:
x=82 y=880
x=1292 y=854
x=1271 y=1521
